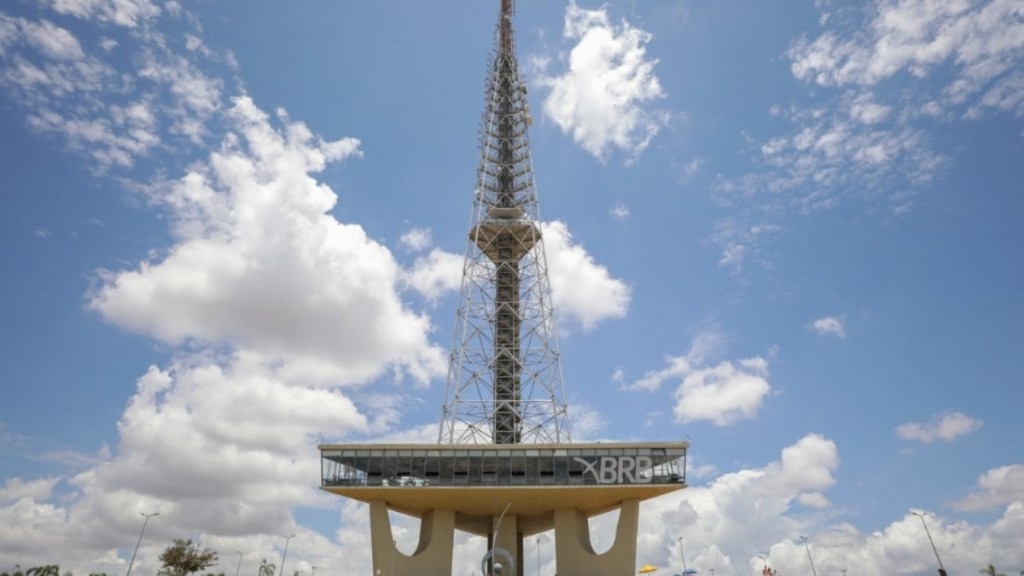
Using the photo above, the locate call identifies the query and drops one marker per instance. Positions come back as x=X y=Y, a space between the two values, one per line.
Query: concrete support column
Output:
x=433 y=553
x=574 y=553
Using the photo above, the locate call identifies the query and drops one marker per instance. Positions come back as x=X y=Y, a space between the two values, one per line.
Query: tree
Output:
x=185 y=557
x=267 y=569
x=47 y=570
x=991 y=571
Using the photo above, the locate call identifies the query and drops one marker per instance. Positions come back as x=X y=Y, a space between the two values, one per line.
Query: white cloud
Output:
x=724 y=393
x=829 y=325
x=260 y=265
x=739 y=512
x=721 y=394
x=620 y=211
x=221 y=445
x=946 y=427
x=582 y=290
x=878 y=77
x=741 y=241
x=15 y=489
x=980 y=40
x=52 y=40
x=435 y=274
x=417 y=239
x=127 y=13
x=705 y=346
x=996 y=488
x=73 y=89
x=603 y=97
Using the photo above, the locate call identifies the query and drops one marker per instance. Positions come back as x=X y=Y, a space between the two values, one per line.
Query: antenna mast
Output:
x=505 y=377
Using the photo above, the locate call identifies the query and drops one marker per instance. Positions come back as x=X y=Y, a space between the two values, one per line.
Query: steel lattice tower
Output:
x=504 y=377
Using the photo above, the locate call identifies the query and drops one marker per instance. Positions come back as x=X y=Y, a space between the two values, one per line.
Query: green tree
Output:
x=185 y=557
x=991 y=571
x=266 y=568
x=47 y=570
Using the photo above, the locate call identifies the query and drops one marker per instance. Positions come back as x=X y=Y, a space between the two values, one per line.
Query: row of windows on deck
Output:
x=504 y=467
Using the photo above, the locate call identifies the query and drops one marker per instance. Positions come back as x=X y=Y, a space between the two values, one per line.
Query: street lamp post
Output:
x=489 y=556
x=141 y=532
x=942 y=570
x=809 y=559
x=681 y=555
x=285 y=555
x=538 y=555
x=239 y=567
x=394 y=548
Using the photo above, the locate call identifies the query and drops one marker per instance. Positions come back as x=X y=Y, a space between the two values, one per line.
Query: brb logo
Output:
x=618 y=469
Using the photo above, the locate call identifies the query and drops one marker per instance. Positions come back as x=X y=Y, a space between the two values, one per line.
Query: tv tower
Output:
x=504 y=378
x=504 y=467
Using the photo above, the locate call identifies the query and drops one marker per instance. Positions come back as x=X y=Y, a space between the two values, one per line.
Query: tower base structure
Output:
x=504 y=493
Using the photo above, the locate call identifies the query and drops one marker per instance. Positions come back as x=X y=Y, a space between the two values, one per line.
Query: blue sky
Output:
x=786 y=231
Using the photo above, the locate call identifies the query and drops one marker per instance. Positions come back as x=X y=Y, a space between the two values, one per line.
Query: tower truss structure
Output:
x=504 y=381
x=505 y=467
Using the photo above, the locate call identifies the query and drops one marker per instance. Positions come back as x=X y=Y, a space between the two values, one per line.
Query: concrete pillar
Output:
x=433 y=555
x=574 y=553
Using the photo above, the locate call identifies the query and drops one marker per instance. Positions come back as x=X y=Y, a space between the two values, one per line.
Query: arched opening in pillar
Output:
x=405 y=530
x=602 y=530
x=469 y=549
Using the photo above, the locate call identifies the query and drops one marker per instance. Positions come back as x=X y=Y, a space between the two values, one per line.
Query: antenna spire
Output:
x=508 y=8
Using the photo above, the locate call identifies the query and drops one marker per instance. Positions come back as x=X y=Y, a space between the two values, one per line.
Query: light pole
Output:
x=285 y=555
x=942 y=570
x=394 y=548
x=495 y=566
x=809 y=559
x=141 y=532
x=538 y=555
x=681 y=555
x=239 y=567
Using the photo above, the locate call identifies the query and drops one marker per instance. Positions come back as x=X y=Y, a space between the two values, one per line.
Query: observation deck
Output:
x=480 y=481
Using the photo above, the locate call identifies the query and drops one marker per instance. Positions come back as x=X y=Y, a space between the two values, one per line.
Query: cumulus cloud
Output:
x=946 y=427
x=582 y=290
x=747 y=509
x=15 y=489
x=259 y=263
x=829 y=326
x=417 y=239
x=734 y=517
x=997 y=487
x=603 y=98
x=722 y=394
x=193 y=434
x=435 y=274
